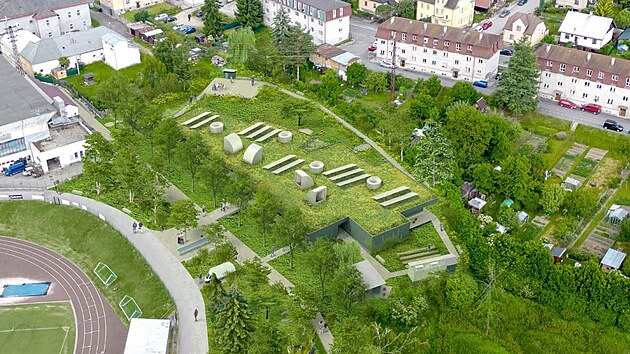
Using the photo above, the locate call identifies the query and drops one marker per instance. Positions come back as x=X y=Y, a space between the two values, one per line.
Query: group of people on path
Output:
x=137 y=227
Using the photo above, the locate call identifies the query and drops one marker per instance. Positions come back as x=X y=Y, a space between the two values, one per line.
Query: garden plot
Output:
x=566 y=162
x=540 y=221
x=599 y=241
x=538 y=143
x=596 y=154
x=585 y=167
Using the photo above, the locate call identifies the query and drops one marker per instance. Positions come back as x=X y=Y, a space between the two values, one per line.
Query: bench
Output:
x=399 y=199
x=353 y=180
x=425 y=256
x=288 y=166
x=265 y=137
x=259 y=132
x=193 y=246
x=249 y=129
x=279 y=162
x=346 y=174
x=204 y=122
x=190 y=121
x=389 y=193
x=338 y=169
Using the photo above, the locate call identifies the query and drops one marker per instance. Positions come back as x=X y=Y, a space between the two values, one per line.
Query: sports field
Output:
x=38 y=328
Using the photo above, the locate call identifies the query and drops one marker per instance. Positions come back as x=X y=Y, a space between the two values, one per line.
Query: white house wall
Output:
x=69 y=19
x=86 y=58
x=337 y=30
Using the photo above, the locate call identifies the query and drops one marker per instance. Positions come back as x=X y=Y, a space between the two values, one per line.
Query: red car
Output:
x=592 y=108
x=486 y=25
x=566 y=103
x=371 y=48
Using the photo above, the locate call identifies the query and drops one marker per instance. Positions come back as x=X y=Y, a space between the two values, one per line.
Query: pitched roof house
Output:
x=586 y=31
x=522 y=25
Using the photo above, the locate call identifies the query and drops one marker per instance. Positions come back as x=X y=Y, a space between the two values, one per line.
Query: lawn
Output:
x=300 y=274
x=418 y=239
x=330 y=143
x=86 y=240
x=154 y=10
x=251 y=234
x=45 y=328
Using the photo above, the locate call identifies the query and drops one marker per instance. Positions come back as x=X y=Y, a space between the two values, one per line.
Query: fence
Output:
x=20 y=182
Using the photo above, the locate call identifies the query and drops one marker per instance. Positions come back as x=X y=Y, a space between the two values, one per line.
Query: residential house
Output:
x=118 y=7
x=612 y=260
x=522 y=25
x=575 y=4
x=46 y=18
x=439 y=50
x=484 y=5
x=118 y=52
x=453 y=13
x=83 y=47
x=370 y=6
x=584 y=77
x=328 y=21
x=586 y=31
x=334 y=58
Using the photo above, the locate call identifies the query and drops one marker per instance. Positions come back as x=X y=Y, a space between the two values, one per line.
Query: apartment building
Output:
x=117 y=7
x=328 y=21
x=584 y=77
x=46 y=18
x=439 y=50
x=453 y=13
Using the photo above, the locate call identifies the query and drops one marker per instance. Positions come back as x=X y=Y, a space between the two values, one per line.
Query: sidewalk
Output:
x=192 y=336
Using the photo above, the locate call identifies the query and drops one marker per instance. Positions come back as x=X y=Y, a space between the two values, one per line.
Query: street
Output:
x=551 y=108
x=498 y=23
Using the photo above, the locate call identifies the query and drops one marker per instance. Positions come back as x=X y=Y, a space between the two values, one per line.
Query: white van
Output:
x=220 y=271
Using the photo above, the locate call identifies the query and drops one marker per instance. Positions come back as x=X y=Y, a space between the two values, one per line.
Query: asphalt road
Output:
x=551 y=108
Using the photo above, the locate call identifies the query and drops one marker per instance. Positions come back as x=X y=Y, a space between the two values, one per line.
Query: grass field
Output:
x=41 y=328
x=86 y=240
x=419 y=238
x=101 y=73
x=154 y=10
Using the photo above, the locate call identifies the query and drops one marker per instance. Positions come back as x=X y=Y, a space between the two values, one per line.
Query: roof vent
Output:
x=480 y=35
x=445 y=29
x=426 y=25
x=548 y=48
x=612 y=61
x=588 y=56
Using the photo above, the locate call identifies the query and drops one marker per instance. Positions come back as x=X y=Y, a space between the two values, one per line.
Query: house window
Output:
x=587 y=83
x=341 y=11
x=518 y=28
x=78 y=12
x=69 y=14
x=433 y=62
x=469 y=47
x=612 y=89
x=589 y=72
x=574 y=80
x=610 y=101
x=404 y=36
x=458 y=46
x=456 y=62
x=585 y=95
x=576 y=69
x=382 y=52
x=572 y=92
x=596 y=98
x=547 y=75
x=599 y=86
x=403 y=51
x=393 y=34
x=49 y=34
x=559 y=83
x=425 y=50
x=562 y=68
x=600 y=75
x=382 y=41
x=445 y=55
x=625 y=98
x=545 y=86
x=334 y=13
x=435 y=42
x=468 y=58
x=467 y=69
x=549 y=63
x=594 y=41
x=414 y=48
x=47 y=23
x=424 y=61
x=480 y=61
x=511 y=37
x=615 y=78
x=447 y=44
x=71 y=26
x=426 y=40
x=414 y=37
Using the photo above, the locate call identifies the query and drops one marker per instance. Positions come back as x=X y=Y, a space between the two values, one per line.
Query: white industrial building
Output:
x=32 y=128
x=328 y=21
x=148 y=336
x=584 y=77
x=440 y=50
x=586 y=31
x=46 y=18
x=118 y=51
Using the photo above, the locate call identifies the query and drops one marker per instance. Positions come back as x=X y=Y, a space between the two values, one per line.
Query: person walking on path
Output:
x=196 y=313
x=189 y=17
x=140 y=227
x=134 y=227
x=203 y=210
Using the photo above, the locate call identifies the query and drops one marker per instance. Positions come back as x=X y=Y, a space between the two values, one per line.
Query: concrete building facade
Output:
x=453 y=13
x=439 y=50
x=328 y=21
x=46 y=18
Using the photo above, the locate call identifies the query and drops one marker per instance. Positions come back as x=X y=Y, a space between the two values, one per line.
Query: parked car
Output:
x=504 y=13
x=15 y=168
x=613 y=125
x=188 y=30
x=199 y=13
x=386 y=64
x=522 y=2
x=486 y=25
x=481 y=83
x=170 y=19
x=592 y=108
x=160 y=17
x=478 y=28
x=179 y=27
x=498 y=76
x=566 y=103
x=371 y=48
x=506 y=52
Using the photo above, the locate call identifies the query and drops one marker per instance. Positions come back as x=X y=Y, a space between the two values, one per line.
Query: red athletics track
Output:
x=99 y=330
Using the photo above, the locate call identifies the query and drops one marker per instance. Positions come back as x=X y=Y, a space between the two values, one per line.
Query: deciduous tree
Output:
x=356 y=73
x=264 y=209
x=184 y=215
x=407 y=9
x=97 y=162
x=111 y=92
x=241 y=190
x=214 y=175
x=242 y=44
x=461 y=290
x=518 y=87
x=290 y=231
x=552 y=197
x=191 y=154
x=467 y=129
x=168 y=136
x=323 y=262
x=622 y=19
x=298 y=109
x=604 y=8
x=64 y=62
x=348 y=288
x=434 y=157
x=376 y=81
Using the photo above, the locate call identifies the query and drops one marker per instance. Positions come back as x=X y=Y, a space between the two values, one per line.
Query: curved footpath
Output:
x=192 y=337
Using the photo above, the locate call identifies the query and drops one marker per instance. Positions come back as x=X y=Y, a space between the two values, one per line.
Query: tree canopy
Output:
x=518 y=87
x=249 y=13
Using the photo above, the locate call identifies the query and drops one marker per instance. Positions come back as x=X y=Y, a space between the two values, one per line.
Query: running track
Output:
x=98 y=328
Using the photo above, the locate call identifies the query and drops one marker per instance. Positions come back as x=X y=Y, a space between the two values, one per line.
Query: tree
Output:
x=141 y=16
x=518 y=87
x=64 y=62
x=290 y=231
x=111 y=92
x=133 y=108
x=173 y=55
x=384 y=11
x=622 y=19
x=242 y=44
x=153 y=77
x=212 y=22
x=268 y=339
x=356 y=73
x=400 y=135
x=580 y=202
x=434 y=157
x=249 y=13
x=215 y=293
x=515 y=180
x=624 y=232
x=461 y=290
x=484 y=177
x=265 y=58
x=407 y=9
x=156 y=195
x=423 y=107
x=168 y=136
x=464 y=91
x=322 y=262
x=240 y=191
x=330 y=88
x=233 y=324
x=297 y=108
x=552 y=197
x=214 y=175
x=468 y=130
x=131 y=172
x=604 y=8
x=191 y=154
x=299 y=47
x=184 y=215
x=97 y=162
x=376 y=81
x=281 y=28
x=348 y=288
x=432 y=86
x=264 y=208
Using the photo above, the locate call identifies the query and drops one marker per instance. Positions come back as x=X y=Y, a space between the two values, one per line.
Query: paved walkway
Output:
x=426 y=216
x=192 y=336
x=323 y=332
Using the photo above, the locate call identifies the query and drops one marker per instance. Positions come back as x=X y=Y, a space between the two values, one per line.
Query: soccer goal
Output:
x=129 y=307
x=105 y=274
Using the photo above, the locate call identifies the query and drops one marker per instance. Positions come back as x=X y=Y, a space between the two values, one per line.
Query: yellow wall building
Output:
x=452 y=13
x=117 y=7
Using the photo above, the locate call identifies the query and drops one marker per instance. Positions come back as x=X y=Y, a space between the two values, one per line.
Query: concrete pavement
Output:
x=192 y=336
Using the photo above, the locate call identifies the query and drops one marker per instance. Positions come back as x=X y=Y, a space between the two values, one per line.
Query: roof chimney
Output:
x=426 y=25
x=391 y=20
x=480 y=35
x=612 y=61
x=548 y=48
x=588 y=56
x=445 y=29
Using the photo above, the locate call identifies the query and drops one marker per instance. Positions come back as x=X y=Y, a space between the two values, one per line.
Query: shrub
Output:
x=142 y=16
x=561 y=135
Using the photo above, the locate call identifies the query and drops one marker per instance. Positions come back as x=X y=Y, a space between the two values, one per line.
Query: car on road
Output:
x=506 y=52
x=481 y=83
x=567 y=104
x=371 y=48
x=486 y=25
x=188 y=30
x=478 y=28
x=521 y=2
x=591 y=108
x=170 y=19
x=504 y=13
x=613 y=125
x=160 y=17
x=386 y=64
x=179 y=27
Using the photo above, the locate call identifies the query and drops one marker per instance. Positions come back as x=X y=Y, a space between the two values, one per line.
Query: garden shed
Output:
x=422 y=268
x=571 y=184
x=507 y=203
x=557 y=253
x=522 y=217
x=476 y=204
x=612 y=260
x=617 y=213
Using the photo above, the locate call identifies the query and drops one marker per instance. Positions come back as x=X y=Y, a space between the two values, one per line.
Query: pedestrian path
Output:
x=323 y=332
